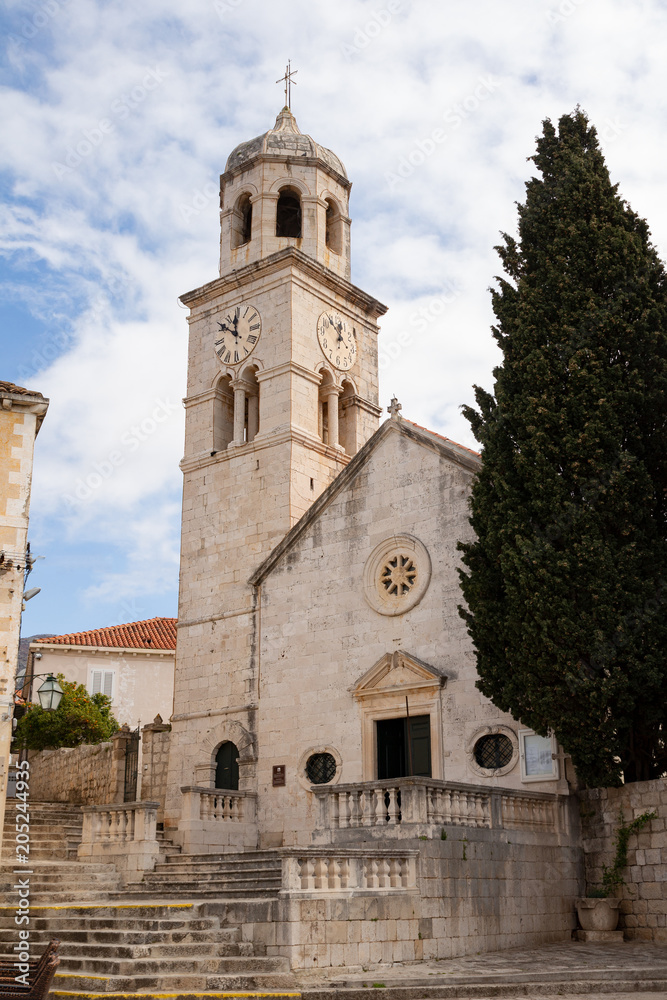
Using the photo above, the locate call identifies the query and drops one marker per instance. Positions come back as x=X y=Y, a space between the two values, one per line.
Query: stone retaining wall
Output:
x=84 y=775
x=477 y=891
x=95 y=775
x=644 y=907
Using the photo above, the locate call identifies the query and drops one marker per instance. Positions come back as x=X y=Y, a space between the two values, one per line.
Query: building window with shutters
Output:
x=101 y=682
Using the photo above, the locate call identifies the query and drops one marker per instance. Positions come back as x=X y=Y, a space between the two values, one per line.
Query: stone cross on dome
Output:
x=394 y=410
x=287 y=78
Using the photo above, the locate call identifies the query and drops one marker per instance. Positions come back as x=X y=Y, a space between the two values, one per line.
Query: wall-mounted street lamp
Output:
x=49 y=694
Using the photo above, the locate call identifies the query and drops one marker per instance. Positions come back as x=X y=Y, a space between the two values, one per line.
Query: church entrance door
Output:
x=392 y=747
x=227 y=767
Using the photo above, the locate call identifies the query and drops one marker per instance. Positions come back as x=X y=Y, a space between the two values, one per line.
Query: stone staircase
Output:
x=155 y=935
x=152 y=947
x=55 y=831
x=240 y=875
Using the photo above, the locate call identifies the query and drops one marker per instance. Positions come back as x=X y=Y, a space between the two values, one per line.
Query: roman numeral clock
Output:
x=238 y=334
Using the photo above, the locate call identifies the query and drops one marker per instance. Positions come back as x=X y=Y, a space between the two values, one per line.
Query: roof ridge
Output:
x=441 y=436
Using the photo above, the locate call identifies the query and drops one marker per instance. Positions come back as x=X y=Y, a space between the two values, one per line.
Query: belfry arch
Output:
x=289 y=213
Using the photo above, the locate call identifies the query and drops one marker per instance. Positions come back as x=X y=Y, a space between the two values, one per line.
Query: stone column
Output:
x=332 y=394
x=154 y=761
x=253 y=415
x=239 y=415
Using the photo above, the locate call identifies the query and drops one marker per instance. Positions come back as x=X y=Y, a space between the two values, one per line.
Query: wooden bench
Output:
x=40 y=975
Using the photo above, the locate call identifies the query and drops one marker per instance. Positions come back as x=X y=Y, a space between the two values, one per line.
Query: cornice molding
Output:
x=294 y=259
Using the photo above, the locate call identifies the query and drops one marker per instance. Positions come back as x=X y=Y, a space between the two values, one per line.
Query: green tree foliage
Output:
x=80 y=718
x=566 y=583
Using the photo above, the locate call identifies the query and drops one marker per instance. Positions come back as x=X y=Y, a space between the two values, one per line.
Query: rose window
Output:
x=399 y=575
x=396 y=575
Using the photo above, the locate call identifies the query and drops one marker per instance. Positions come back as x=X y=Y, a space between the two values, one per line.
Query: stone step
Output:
x=243 y=877
x=169 y=870
x=65 y=867
x=165 y=951
x=232 y=856
x=271 y=984
x=47 y=879
x=590 y=988
x=194 y=893
x=144 y=910
x=135 y=968
x=49 y=899
x=208 y=860
x=60 y=921
x=181 y=935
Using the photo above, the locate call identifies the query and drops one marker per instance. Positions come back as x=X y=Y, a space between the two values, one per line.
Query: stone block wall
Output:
x=95 y=775
x=644 y=907
x=84 y=775
x=479 y=890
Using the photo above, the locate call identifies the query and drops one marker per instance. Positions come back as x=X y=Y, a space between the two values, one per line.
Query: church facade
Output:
x=325 y=683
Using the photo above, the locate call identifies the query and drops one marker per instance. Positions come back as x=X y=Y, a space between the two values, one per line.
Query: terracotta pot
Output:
x=598 y=914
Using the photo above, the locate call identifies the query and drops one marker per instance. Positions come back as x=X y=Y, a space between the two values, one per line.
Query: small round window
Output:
x=321 y=768
x=493 y=751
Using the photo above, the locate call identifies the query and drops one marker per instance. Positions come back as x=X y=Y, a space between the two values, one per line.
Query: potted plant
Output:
x=598 y=911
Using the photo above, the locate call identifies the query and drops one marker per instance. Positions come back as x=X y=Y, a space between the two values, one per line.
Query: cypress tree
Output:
x=566 y=582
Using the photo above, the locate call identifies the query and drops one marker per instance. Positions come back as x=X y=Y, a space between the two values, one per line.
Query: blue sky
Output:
x=117 y=121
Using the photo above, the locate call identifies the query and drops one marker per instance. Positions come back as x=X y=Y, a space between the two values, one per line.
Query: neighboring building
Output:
x=133 y=664
x=319 y=555
x=21 y=414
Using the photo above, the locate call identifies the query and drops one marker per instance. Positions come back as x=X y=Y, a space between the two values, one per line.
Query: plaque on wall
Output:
x=278 y=775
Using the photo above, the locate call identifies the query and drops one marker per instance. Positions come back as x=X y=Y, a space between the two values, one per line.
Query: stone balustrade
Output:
x=131 y=821
x=527 y=812
x=125 y=835
x=219 y=804
x=405 y=807
x=213 y=818
x=347 y=872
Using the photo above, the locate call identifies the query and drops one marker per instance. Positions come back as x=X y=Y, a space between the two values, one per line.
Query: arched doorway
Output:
x=227 y=766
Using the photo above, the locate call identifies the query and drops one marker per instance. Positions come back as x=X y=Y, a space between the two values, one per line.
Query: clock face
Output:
x=338 y=340
x=238 y=334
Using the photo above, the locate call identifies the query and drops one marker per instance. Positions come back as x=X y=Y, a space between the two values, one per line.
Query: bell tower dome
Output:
x=283 y=189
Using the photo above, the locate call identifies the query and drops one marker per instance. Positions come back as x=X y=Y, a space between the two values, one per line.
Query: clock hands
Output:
x=234 y=332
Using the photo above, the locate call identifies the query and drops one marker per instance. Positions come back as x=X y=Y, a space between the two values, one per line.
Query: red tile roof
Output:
x=154 y=633
x=18 y=390
x=477 y=454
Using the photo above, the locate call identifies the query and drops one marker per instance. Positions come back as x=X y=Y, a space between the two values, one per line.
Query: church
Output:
x=324 y=682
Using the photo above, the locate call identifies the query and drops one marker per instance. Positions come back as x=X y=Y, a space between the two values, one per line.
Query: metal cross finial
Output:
x=395 y=409
x=287 y=78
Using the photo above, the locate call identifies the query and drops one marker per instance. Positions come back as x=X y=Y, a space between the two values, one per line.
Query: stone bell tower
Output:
x=282 y=391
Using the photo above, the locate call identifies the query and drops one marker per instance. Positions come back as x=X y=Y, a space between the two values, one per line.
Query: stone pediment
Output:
x=397 y=673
